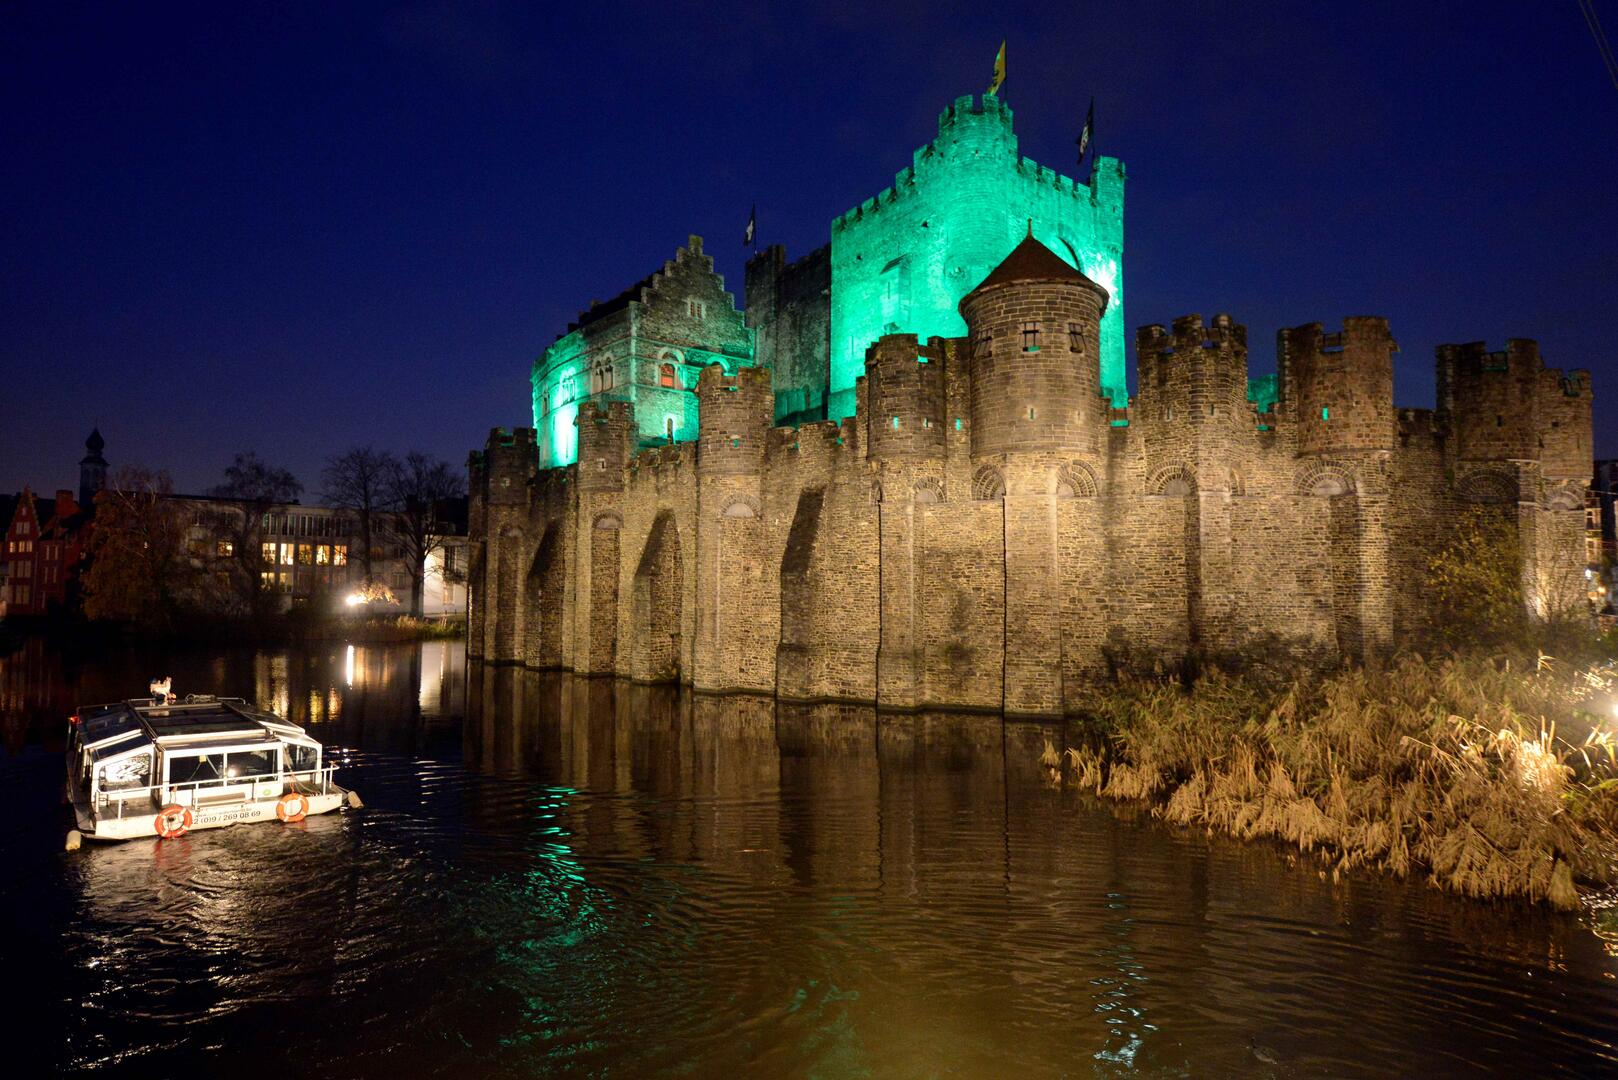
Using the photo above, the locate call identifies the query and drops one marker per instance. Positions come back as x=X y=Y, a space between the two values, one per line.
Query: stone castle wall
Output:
x=944 y=548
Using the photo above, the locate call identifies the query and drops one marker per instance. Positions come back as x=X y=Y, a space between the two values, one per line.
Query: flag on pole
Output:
x=748 y=238
x=1089 y=131
x=999 y=70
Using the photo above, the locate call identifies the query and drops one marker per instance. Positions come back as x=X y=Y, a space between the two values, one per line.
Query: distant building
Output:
x=309 y=555
x=92 y=469
x=444 y=576
x=45 y=543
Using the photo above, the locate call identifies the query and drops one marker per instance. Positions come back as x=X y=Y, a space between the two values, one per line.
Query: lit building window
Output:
x=1030 y=337
x=286 y=554
x=225 y=548
x=306 y=555
x=339 y=555
x=268 y=551
x=666 y=377
x=322 y=554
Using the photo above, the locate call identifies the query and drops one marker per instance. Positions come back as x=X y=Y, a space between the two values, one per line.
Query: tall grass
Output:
x=1452 y=769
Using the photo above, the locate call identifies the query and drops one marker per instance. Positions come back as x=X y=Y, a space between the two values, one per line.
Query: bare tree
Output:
x=358 y=481
x=139 y=570
x=252 y=487
x=418 y=487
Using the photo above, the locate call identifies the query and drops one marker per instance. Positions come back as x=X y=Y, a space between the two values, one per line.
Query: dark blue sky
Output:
x=294 y=230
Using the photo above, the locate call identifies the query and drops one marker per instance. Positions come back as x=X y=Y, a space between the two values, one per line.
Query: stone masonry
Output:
x=987 y=531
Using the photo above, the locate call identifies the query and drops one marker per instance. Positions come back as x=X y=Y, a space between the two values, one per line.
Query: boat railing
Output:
x=139 y=799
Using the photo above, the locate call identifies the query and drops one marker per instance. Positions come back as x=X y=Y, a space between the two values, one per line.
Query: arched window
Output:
x=666 y=376
x=606 y=378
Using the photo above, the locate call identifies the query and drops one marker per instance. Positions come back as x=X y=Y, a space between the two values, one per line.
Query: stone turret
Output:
x=606 y=442
x=904 y=386
x=505 y=466
x=1035 y=366
x=1337 y=388
x=733 y=414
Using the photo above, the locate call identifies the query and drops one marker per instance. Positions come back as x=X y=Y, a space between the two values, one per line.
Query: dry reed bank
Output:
x=1489 y=778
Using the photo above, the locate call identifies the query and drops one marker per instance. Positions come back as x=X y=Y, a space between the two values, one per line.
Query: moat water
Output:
x=560 y=877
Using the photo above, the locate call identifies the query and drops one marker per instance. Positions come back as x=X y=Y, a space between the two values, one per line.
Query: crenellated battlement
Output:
x=1193 y=373
x=974 y=112
x=509 y=459
x=1335 y=388
x=1506 y=405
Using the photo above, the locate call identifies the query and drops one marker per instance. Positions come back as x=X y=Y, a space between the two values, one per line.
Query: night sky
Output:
x=296 y=230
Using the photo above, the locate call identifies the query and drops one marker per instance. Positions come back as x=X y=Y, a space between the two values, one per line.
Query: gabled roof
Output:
x=1032 y=261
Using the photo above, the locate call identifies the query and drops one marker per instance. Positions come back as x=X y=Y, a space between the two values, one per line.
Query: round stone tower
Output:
x=1035 y=362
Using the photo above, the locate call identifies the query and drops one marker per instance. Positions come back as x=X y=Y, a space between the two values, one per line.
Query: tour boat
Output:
x=160 y=766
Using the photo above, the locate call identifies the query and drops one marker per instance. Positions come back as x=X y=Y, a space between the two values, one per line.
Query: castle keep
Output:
x=989 y=526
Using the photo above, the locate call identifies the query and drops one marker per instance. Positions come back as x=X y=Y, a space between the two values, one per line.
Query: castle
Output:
x=979 y=521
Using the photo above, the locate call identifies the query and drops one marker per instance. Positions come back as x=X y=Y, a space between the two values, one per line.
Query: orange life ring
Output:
x=285 y=804
x=173 y=821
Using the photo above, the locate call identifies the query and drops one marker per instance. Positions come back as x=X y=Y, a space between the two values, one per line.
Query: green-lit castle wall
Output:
x=897 y=263
x=902 y=261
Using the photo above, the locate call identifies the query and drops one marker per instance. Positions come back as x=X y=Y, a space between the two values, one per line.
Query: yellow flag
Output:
x=999 y=70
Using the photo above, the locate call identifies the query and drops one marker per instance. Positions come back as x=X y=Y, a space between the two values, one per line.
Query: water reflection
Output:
x=556 y=875
x=918 y=877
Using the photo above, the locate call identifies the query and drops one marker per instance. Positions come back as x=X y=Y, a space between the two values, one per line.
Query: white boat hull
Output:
x=147 y=823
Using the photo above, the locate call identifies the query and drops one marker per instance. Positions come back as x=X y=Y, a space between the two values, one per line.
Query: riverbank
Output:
x=291 y=628
x=1488 y=778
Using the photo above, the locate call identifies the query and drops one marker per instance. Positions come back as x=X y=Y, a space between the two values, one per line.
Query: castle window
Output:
x=895 y=423
x=665 y=376
x=696 y=309
x=1499 y=421
x=735 y=442
x=668 y=423
x=1030 y=412
x=606 y=378
x=1325 y=412
x=957 y=423
x=1030 y=337
x=1075 y=337
x=980 y=346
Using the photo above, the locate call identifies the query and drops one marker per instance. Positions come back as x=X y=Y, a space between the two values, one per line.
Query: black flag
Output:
x=752 y=229
x=1089 y=131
